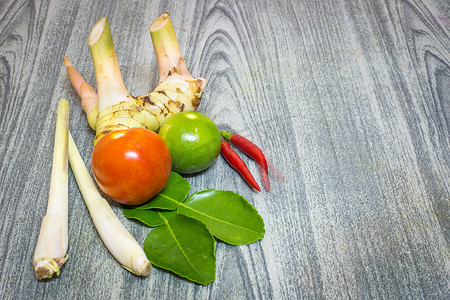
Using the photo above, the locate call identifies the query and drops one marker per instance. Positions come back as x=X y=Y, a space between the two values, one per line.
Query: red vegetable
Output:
x=238 y=164
x=251 y=150
x=131 y=166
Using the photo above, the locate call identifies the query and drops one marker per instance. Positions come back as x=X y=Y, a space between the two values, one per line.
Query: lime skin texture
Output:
x=193 y=140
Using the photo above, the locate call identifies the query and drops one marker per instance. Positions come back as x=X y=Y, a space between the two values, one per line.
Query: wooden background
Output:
x=349 y=98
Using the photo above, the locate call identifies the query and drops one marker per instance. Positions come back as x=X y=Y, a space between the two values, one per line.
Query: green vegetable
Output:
x=228 y=216
x=175 y=192
x=184 y=246
x=184 y=241
x=150 y=218
x=193 y=140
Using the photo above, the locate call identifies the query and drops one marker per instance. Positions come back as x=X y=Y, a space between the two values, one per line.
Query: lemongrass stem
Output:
x=85 y=91
x=51 y=248
x=115 y=236
x=110 y=86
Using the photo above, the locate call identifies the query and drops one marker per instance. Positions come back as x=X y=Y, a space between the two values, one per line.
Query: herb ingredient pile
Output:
x=140 y=169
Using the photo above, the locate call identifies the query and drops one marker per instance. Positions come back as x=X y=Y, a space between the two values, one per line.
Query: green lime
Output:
x=193 y=139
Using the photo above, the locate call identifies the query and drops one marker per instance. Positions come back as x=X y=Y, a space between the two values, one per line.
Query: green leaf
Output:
x=175 y=192
x=228 y=216
x=184 y=246
x=150 y=218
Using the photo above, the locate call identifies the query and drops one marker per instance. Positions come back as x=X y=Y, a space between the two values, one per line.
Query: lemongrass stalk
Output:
x=85 y=91
x=115 y=236
x=177 y=91
x=51 y=248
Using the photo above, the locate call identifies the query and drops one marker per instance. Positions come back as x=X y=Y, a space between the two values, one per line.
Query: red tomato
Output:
x=131 y=166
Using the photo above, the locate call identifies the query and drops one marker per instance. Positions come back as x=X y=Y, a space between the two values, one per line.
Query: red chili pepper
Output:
x=238 y=164
x=251 y=150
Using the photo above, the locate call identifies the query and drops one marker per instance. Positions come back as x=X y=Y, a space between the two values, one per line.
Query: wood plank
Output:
x=349 y=99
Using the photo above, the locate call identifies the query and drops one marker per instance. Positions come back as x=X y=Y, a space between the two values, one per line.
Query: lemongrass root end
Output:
x=142 y=266
x=143 y=271
x=46 y=268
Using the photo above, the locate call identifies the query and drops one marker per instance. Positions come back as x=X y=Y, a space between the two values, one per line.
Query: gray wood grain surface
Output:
x=349 y=99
